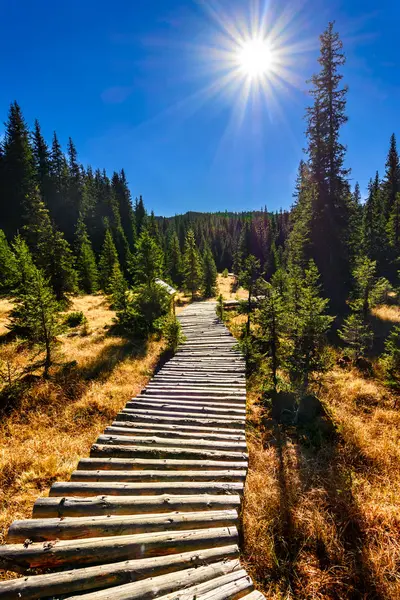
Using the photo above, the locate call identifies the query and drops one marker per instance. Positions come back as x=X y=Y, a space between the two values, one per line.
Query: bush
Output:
x=73 y=319
x=225 y=273
x=172 y=331
x=145 y=307
x=220 y=307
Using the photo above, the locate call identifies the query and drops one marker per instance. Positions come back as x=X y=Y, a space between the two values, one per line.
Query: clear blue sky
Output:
x=137 y=85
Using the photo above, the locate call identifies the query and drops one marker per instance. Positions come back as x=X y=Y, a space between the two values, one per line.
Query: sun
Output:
x=255 y=58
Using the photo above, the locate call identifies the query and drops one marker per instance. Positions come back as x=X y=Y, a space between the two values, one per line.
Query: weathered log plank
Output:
x=41 y=530
x=84 y=552
x=128 y=505
x=103 y=450
x=109 y=575
x=164 y=464
x=173 y=442
x=121 y=428
x=96 y=488
x=158 y=475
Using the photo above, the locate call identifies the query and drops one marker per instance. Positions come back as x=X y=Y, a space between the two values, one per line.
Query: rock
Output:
x=309 y=409
x=283 y=407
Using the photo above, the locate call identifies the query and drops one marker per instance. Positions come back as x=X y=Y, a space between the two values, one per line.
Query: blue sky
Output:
x=138 y=84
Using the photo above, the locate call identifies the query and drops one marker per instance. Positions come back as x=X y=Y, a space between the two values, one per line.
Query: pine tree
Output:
x=365 y=280
x=307 y=331
x=118 y=287
x=174 y=260
x=391 y=181
x=73 y=202
x=209 y=274
x=51 y=250
x=17 y=172
x=37 y=314
x=147 y=262
x=390 y=360
x=393 y=228
x=355 y=223
x=140 y=215
x=123 y=196
x=271 y=320
x=8 y=265
x=329 y=226
x=59 y=183
x=248 y=278
x=42 y=163
x=192 y=268
x=108 y=258
x=373 y=227
x=88 y=277
x=356 y=334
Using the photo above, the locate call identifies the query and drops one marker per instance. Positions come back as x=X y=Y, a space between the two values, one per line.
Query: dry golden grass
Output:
x=387 y=312
x=5 y=308
x=57 y=421
x=321 y=514
x=225 y=288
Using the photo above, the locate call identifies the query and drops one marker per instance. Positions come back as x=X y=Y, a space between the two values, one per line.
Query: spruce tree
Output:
x=393 y=228
x=118 y=287
x=329 y=226
x=209 y=274
x=147 y=261
x=192 y=268
x=140 y=215
x=88 y=277
x=356 y=334
x=17 y=172
x=390 y=359
x=59 y=184
x=51 y=250
x=248 y=278
x=37 y=313
x=8 y=265
x=373 y=226
x=174 y=260
x=73 y=202
x=42 y=163
x=124 y=201
x=108 y=258
x=391 y=181
x=271 y=320
x=307 y=331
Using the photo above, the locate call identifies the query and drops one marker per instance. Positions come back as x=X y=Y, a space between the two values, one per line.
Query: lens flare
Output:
x=256 y=58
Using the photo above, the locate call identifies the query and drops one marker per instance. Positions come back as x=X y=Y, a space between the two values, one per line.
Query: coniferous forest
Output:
x=312 y=280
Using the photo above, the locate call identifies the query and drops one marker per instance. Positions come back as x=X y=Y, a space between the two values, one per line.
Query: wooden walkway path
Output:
x=153 y=513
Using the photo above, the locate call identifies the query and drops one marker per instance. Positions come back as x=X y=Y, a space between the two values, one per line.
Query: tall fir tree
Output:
x=42 y=163
x=329 y=225
x=209 y=274
x=8 y=265
x=140 y=215
x=88 y=277
x=373 y=226
x=124 y=201
x=17 y=172
x=108 y=258
x=147 y=261
x=192 y=268
x=391 y=181
x=174 y=260
x=51 y=251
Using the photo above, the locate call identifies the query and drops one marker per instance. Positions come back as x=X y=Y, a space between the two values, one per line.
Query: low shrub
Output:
x=74 y=319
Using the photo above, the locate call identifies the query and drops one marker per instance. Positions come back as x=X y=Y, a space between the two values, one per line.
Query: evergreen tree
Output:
x=393 y=228
x=308 y=330
x=365 y=280
x=373 y=226
x=390 y=360
x=42 y=163
x=248 y=278
x=59 y=183
x=140 y=215
x=192 y=271
x=52 y=252
x=271 y=319
x=174 y=260
x=147 y=262
x=355 y=223
x=127 y=215
x=329 y=226
x=209 y=274
x=73 y=202
x=24 y=265
x=356 y=334
x=17 y=172
x=88 y=277
x=108 y=258
x=118 y=287
x=8 y=265
x=391 y=182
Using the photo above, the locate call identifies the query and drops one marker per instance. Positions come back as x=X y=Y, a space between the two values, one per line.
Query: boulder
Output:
x=308 y=410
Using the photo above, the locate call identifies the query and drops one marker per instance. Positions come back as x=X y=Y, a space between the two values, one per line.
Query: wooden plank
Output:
x=40 y=530
x=128 y=505
x=189 y=429
x=120 y=451
x=193 y=404
x=173 y=442
x=122 y=428
x=231 y=419
x=109 y=575
x=186 y=420
x=206 y=578
x=84 y=552
x=136 y=476
x=171 y=464
x=96 y=488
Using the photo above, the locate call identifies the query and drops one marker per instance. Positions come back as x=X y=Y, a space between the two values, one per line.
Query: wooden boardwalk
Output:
x=153 y=513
